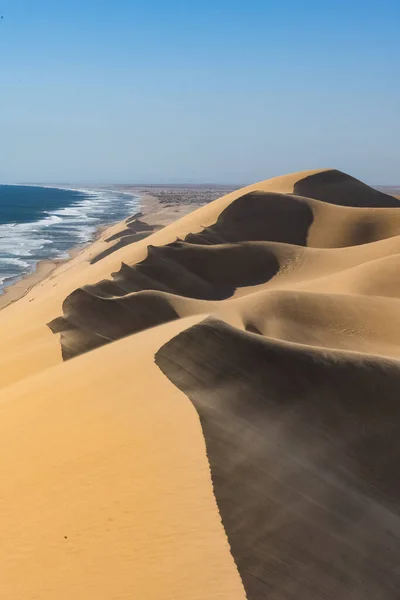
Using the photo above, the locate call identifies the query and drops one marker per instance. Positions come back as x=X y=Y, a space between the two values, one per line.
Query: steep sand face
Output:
x=266 y=322
x=303 y=448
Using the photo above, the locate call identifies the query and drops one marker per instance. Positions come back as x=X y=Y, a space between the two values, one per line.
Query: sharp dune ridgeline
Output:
x=210 y=409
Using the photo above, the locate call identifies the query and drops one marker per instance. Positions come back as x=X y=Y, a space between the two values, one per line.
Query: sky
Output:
x=216 y=91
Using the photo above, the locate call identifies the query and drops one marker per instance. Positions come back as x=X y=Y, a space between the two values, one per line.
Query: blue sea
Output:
x=39 y=223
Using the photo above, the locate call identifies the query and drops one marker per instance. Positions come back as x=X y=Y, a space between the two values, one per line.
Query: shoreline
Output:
x=45 y=267
x=149 y=207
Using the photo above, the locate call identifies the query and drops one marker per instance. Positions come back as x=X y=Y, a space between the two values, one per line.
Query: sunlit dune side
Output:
x=105 y=489
x=210 y=410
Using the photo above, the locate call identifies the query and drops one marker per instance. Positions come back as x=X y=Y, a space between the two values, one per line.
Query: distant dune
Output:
x=210 y=410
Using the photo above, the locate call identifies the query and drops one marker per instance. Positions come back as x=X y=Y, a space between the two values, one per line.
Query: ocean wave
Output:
x=12 y=260
x=21 y=239
x=23 y=245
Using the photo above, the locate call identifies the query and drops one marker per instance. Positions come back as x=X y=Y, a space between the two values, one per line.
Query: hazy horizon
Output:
x=222 y=184
x=224 y=93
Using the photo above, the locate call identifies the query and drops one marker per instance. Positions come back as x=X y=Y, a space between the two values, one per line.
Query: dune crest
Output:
x=299 y=281
x=303 y=448
x=212 y=412
x=257 y=241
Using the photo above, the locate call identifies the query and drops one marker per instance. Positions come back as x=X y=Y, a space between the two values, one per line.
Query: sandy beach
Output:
x=203 y=403
x=156 y=214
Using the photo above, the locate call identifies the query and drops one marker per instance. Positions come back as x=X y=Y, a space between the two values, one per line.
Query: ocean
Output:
x=39 y=223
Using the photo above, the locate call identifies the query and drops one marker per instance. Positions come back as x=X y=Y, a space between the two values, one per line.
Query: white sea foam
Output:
x=20 y=239
x=22 y=245
x=14 y=261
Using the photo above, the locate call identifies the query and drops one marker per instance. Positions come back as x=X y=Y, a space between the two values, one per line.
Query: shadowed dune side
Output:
x=96 y=315
x=254 y=216
x=92 y=321
x=259 y=216
x=298 y=220
x=203 y=272
x=133 y=225
x=124 y=240
x=336 y=187
x=135 y=230
x=304 y=460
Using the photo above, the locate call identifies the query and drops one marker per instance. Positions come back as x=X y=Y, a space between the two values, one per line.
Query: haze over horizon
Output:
x=222 y=92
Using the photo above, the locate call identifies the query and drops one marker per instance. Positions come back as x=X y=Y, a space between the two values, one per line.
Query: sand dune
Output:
x=105 y=489
x=303 y=448
x=249 y=374
x=213 y=263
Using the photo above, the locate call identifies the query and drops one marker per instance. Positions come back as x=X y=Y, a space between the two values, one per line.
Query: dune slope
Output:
x=239 y=366
x=303 y=448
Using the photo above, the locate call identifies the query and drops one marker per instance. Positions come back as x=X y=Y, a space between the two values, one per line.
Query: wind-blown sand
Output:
x=211 y=410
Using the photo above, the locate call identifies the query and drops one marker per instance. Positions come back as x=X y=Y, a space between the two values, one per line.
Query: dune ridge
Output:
x=303 y=448
x=230 y=387
x=285 y=375
x=255 y=244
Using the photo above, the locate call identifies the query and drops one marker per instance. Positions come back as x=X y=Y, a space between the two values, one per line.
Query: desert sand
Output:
x=208 y=409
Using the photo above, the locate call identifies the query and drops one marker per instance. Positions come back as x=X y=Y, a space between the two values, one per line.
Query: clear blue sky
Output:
x=224 y=91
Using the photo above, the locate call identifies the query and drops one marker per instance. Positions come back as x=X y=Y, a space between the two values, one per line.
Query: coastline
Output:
x=16 y=286
x=43 y=270
x=149 y=207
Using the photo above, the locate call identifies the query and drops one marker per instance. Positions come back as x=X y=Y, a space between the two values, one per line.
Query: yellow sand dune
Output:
x=211 y=411
x=105 y=489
